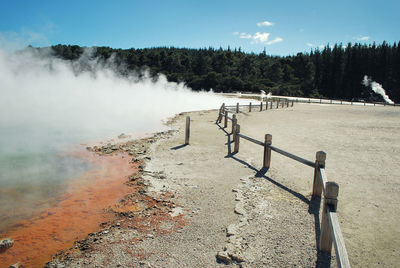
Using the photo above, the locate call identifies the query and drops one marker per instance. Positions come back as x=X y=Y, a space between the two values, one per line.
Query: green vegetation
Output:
x=333 y=72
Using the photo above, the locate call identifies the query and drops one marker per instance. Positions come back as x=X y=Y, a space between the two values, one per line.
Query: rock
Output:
x=150 y=236
x=123 y=136
x=17 y=265
x=237 y=257
x=239 y=209
x=231 y=230
x=6 y=243
x=223 y=256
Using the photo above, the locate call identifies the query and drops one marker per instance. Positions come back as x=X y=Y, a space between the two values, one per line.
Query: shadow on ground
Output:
x=323 y=258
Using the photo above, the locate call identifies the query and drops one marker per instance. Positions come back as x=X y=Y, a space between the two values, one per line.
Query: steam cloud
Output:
x=48 y=104
x=377 y=88
x=51 y=100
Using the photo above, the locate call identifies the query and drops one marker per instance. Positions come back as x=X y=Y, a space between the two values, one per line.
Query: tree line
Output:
x=332 y=72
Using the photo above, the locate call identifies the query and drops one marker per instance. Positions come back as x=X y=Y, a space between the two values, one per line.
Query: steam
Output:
x=377 y=88
x=51 y=101
x=262 y=95
x=49 y=104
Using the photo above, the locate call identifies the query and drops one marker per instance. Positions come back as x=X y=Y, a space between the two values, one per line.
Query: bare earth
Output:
x=232 y=214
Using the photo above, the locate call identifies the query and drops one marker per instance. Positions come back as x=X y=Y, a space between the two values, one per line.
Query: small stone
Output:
x=150 y=236
x=231 y=230
x=17 y=265
x=237 y=257
x=6 y=243
x=223 y=256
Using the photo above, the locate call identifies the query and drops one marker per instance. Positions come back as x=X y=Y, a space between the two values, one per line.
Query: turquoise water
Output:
x=32 y=174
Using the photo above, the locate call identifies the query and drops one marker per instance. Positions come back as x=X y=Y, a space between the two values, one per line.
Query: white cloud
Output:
x=235 y=33
x=265 y=23
x=276 y=40
x=261 y=37
x=362 y=38
x=245 y=35
x=310 y=44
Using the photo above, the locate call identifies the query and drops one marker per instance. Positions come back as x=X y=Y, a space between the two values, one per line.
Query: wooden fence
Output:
x=340 y=101
x=330 y=229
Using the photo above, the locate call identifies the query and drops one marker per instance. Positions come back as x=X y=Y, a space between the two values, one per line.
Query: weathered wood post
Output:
x=292 y=103
x=267 y=151
x=261 y=104
x=221 y=111
x=319 y=163
x=287 y=104
x=277 y=104
x=237 y=107
x=271 y=104
x=266 y=105
x=226 y=119
x=330 y=200
x=249 y=107
x=187 y=130
x=237 y=138
x=234 y=122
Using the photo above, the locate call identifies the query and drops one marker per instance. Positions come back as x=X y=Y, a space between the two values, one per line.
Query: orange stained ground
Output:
x=79 y=213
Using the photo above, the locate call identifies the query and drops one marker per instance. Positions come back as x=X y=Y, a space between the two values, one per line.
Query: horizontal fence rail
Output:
x=330 y=229
x=292 y=156
x=251 y=139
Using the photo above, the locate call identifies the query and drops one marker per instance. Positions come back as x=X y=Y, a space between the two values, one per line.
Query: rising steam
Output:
x=377 y=88
x=48 y=103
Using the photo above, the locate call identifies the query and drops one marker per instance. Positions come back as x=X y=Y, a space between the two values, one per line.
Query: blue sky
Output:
x=281 y=27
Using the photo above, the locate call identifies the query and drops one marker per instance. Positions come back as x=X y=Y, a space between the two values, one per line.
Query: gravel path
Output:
x=225 y=211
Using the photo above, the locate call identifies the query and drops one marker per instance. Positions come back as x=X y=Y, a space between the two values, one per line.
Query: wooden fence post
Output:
x=332 y=191
x=292 y=103
x=319 y=163
x=250 y=107
x=226 y=119
x=261 y=106
x=237 y=138
x=271 y=104
x=267 y=151
x=237 y=107
x=187 y=130
x=234 y=122
x=287 y=104
x=277 y=104
x=266 y=105
x=221 y=111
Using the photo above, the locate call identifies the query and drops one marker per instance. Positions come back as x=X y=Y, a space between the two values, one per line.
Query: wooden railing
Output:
x=339 y=101
x=330 y=229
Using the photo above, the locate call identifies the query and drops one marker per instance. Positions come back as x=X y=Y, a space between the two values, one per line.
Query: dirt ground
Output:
x=223 y=211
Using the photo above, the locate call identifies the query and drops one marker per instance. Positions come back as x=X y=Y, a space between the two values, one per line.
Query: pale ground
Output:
x=363 y=156
x=255 y=219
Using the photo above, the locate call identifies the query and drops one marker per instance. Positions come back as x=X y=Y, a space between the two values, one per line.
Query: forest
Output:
x=334 y=72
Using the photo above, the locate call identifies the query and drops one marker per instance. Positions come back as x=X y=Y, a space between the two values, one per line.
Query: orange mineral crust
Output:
x=83 y=207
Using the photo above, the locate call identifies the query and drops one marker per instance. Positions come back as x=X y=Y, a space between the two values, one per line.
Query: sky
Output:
x=280 y=27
